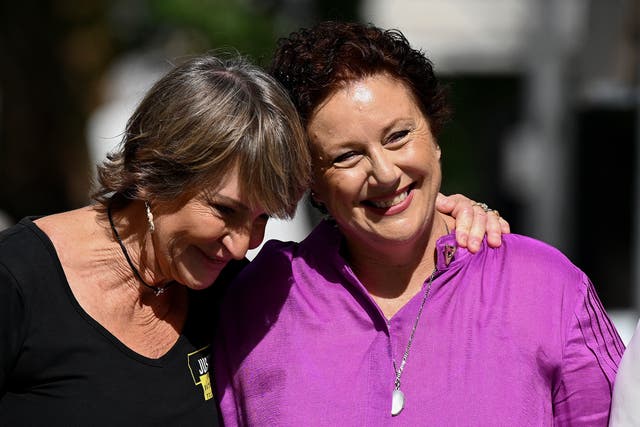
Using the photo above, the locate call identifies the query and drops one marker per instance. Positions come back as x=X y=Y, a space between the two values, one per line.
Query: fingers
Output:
x=445 y=204
x=460 y=208
x=504 y=226
x=478 y=229
x=494 y=229
x=473 y=221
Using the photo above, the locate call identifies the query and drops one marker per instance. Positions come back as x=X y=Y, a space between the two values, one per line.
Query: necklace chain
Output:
x=413 y=331
x=157 y=290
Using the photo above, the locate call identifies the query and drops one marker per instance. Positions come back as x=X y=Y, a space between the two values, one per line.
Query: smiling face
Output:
x=194 y=242
x=376 y=163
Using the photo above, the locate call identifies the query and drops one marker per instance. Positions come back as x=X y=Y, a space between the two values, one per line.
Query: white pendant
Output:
x=397 y=402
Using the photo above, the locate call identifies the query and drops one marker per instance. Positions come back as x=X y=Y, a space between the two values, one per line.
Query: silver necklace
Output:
x=397 y=398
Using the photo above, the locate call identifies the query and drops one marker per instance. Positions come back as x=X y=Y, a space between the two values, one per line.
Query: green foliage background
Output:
x=54 y=55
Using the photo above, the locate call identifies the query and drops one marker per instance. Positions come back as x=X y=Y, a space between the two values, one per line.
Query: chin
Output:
x=393 y=238
x=199 y=286
x=397 y=240
x=199 y=272
x=386 y=240
x=199 y=280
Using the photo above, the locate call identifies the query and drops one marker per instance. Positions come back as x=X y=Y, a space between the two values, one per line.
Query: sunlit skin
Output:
x=192 y=244
x=377 y=164
x=377 y=170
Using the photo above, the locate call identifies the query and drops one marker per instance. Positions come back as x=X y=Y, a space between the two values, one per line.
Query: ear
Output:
x=316 y=202
x=438 y=152
x=315 y=198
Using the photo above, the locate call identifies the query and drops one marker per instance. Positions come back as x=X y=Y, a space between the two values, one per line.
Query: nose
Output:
x=239 y=241
x=383 y=170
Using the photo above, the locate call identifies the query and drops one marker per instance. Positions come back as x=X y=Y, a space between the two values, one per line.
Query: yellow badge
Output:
x=206 y=386
x=198 y=363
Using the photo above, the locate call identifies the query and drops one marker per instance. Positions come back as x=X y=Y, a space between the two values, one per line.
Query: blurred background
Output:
x=545 y=94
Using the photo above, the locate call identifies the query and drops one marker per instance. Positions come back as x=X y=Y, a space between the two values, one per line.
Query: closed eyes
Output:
x=223 y=210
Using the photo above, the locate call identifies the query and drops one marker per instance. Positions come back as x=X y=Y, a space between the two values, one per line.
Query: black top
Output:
x=58 y=366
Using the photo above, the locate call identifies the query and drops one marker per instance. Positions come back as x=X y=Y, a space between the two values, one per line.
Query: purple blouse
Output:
x=511 y=336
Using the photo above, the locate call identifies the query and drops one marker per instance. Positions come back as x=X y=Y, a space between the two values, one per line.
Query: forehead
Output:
x=230 y=190
x=361 y=92
x=369 y=90
x=229 y=185
x=373 y=101
x=226 y=185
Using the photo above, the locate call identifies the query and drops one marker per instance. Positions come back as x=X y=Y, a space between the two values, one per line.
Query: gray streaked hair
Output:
x=195 y=124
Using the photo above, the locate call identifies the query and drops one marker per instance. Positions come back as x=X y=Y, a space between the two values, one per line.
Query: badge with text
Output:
x=199 y=366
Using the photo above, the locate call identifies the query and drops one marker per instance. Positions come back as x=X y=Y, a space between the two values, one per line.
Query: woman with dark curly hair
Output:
x=379 y=317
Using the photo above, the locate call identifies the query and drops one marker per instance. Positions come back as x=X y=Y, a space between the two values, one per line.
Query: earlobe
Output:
x=316 y=202
x=313 y=196
x=438 y=151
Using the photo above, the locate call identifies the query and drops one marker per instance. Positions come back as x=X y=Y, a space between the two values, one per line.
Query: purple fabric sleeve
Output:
x=591 y=355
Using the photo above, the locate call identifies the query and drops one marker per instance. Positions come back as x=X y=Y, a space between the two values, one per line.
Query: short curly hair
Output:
x=312 y=63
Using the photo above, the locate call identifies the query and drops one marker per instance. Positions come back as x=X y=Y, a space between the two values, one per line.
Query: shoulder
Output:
x=531 y=269
x=278 y=261
x=15 y=233
x=266 y=283
x=275 y=251
x=254 y=298
x=22 y=243
x=20 y=249
x=27 y=256
x=533 y=256
x=270 y=268
x=519 y=245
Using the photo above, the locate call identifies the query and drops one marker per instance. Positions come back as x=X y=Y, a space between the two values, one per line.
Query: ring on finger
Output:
x=482 y=206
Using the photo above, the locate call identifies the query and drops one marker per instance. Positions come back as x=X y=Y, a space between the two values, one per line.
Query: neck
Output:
x=104 y=285
x=129 y=226
x=393 y=274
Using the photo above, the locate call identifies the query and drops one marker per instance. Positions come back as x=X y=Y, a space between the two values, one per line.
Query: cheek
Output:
x=204 y=228
x=424 y=156
x=341 y=188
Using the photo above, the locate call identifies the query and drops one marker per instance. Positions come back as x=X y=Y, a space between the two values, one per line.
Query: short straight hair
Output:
x=195 y=124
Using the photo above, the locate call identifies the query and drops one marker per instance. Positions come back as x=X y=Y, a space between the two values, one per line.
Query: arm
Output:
x=225 y=392
x=625 y=408
x=591 y=354
x=12 y=322
x=471 y=222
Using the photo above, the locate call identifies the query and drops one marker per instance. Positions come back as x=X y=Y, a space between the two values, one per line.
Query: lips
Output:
x=391 y=204
x=213 y=259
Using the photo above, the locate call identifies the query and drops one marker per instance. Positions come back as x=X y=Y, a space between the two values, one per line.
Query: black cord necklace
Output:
x=157 y=290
